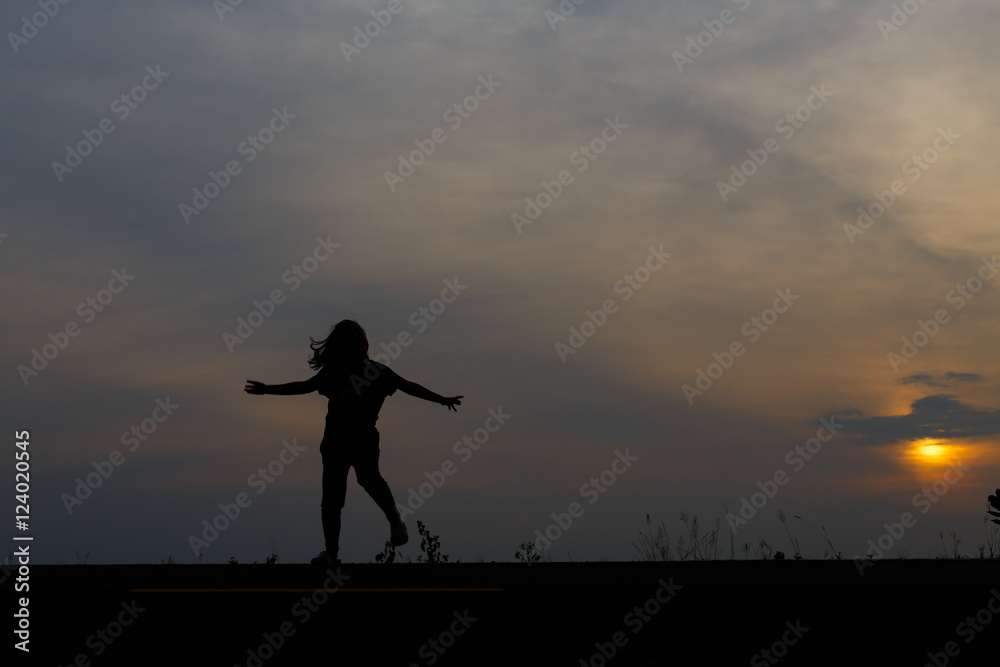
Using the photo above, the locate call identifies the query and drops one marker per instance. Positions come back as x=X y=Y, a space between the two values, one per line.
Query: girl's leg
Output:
x=371 y=480
x=335 y=469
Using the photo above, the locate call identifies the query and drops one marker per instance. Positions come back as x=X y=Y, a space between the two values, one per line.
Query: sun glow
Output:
x=931 y=453
x=928 y=453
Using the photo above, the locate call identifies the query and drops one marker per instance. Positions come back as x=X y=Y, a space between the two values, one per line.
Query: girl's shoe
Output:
x=324 y=559
x=398 y=536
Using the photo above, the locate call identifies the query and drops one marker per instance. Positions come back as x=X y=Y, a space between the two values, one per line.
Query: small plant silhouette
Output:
x=656 y=546
x=528 y=553
x=388 y=554
x=832 y=551
x=793 y=540
x=270 y=560
x=653 y=546
x=430 y=545
x=991 y=548
x=955 y=541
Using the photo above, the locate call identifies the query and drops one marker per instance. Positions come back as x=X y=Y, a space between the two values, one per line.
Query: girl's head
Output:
x=346 y=346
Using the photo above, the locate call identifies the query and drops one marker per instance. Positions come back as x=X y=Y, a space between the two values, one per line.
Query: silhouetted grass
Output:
x=655 y=543
x=689 y=545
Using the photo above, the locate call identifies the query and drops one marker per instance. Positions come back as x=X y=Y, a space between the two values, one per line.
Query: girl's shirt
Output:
x=355 y=399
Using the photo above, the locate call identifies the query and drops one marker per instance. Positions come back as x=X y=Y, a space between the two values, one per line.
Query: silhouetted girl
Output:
x=356 y=387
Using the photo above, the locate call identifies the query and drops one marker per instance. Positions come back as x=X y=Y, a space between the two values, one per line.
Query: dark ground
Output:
x=717 y=613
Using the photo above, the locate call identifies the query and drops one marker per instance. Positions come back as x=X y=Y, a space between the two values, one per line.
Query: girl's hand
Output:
x=451 y=402
x=254 y=387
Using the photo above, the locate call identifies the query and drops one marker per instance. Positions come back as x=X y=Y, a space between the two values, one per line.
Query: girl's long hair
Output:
x=346 y=337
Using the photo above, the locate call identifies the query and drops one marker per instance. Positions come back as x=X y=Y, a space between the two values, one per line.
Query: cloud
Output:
x=936 y=416
x=921 y=378
x=964 y=377
x=947 y=380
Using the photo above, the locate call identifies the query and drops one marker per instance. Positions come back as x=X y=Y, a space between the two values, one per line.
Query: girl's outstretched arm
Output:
x=287 y=389
x=414 y=389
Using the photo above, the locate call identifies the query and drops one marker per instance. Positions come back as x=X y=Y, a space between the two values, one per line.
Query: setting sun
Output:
x=932 y=451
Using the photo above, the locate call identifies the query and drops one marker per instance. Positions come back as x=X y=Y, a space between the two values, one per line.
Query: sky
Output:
x=725 y=259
